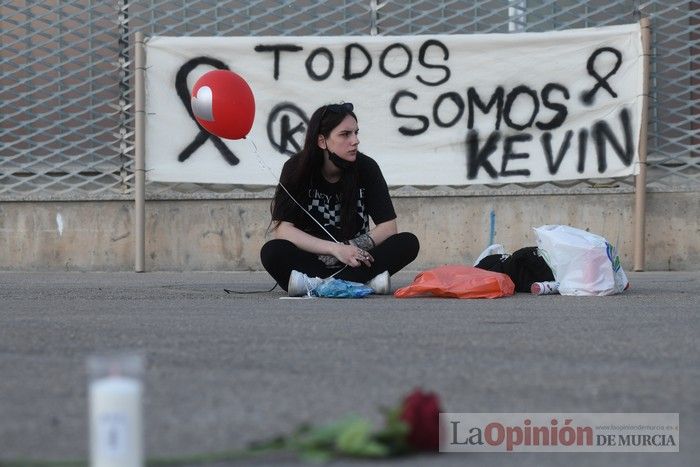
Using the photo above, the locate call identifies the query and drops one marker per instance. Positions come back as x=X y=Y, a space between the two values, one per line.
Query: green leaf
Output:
x=320 y=437
x=316 y=455
x=373 y=449
x=393 y=437
x=353 y=439
x=394 y=429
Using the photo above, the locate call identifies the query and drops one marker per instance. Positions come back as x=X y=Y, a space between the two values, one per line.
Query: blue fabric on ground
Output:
x=339 y=288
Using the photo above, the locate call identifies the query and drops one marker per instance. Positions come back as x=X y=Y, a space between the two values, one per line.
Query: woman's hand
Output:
x=352 y=256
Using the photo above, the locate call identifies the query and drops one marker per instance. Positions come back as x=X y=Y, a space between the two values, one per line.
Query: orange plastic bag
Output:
x=457 y=281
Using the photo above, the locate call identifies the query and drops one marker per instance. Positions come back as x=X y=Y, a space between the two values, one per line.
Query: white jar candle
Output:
x=115 y=422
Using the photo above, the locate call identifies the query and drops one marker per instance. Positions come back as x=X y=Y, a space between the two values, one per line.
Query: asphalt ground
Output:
x=224 y=370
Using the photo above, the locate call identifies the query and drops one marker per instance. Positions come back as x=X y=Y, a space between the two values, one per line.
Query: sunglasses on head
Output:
x=337 y=109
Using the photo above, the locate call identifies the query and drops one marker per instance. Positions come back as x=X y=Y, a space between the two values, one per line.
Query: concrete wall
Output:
x=227 y=234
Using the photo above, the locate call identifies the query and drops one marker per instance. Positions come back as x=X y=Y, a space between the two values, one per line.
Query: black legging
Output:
x=280 y=257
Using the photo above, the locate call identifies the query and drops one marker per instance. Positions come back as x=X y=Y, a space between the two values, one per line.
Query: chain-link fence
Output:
x=67 y=77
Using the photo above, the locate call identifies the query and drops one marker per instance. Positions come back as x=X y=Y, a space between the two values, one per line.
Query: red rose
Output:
x=421 y=412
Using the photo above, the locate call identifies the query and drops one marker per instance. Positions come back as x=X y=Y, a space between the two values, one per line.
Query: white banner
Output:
x=432 y=110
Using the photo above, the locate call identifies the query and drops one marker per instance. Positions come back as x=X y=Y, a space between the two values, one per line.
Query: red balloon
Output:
x=223 y=103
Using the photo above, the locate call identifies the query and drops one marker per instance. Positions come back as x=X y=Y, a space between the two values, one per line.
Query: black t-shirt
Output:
x=323 y=200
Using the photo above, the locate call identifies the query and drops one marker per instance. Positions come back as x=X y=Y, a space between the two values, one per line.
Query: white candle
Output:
x=116 y=432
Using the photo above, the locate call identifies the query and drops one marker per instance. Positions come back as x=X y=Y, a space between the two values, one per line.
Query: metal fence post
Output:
x=139 y=153
x=640 y=181
x=517 y=19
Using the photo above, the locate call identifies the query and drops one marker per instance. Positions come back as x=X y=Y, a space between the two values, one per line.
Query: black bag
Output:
x=524 y=267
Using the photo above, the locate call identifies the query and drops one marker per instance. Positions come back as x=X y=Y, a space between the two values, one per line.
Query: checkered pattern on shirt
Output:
x=365 y=218
x=331 y=215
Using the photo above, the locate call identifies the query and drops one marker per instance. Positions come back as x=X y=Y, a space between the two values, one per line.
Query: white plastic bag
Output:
x=495 y=249
x=583 y=263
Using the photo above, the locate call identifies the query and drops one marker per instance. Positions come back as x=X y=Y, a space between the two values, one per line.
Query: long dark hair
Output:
x=305 y=167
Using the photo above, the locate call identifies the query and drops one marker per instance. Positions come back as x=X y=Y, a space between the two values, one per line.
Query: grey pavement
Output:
x=225 y=369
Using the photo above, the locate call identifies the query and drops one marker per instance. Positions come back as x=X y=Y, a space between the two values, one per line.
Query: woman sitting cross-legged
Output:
x=342 y=189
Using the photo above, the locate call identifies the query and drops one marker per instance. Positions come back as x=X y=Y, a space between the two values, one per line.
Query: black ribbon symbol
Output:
x=184 y=94
x=601 y=81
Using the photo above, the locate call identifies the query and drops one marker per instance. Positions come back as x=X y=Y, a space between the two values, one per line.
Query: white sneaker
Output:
x=381 y=283
x=300 y=284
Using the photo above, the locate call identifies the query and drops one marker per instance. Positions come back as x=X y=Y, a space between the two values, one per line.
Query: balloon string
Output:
x=262 y=163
